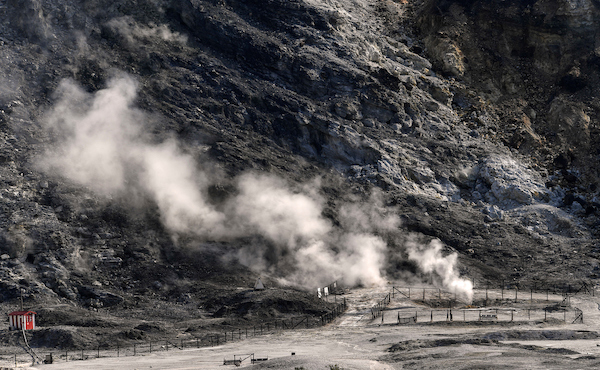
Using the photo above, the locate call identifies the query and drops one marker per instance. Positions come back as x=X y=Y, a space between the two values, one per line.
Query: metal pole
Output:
x=150 y=346
x=134 y=351
x=516 y=292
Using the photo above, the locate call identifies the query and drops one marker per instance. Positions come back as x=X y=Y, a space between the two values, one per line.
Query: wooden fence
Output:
x=14 y=360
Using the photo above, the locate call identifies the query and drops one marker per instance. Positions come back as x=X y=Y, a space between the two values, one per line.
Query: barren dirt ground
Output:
x=356 y=341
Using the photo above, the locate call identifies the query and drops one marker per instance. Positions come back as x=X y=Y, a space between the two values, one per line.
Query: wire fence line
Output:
x=140 y=348
x=574 y=316
x=561 y=311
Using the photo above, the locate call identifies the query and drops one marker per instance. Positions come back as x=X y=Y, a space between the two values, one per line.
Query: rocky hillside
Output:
x=173 y=151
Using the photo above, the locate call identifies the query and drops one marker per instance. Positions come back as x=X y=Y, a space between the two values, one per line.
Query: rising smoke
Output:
x=100 y=144
x=442 y=268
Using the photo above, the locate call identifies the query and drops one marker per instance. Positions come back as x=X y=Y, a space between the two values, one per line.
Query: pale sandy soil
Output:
x=355 y=341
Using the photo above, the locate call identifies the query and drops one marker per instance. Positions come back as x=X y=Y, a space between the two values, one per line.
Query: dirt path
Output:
x=356 y=341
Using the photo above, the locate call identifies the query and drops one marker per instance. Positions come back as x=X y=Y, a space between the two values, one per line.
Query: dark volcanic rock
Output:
x=471 y=121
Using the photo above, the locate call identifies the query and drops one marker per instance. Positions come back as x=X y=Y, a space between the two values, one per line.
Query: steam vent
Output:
x=300 y=184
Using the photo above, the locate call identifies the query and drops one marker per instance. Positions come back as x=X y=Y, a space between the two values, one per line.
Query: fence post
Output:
x=150 y=346
x=98 y=352
x=134 y=352
x=118 y=349
x=167 y=345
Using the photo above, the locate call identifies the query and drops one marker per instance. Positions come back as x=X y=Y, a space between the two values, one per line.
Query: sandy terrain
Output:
x=356 y=341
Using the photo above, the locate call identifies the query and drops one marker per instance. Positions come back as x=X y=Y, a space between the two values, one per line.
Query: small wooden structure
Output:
x=21 y=320
x=238 y=359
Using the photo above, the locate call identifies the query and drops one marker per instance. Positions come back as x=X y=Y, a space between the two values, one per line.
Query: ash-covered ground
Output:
x=157 y=157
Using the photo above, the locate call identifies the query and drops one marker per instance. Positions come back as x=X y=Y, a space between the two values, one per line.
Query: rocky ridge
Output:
x=485 y=145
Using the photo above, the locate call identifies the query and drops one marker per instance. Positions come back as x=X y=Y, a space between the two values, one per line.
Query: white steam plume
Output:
x=265 y=205
x=431 y=261
x=131 y=31
x=100 y=144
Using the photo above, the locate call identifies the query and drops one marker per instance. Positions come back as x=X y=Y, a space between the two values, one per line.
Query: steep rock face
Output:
x=475 y=141
x=542 y=53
